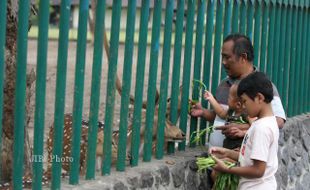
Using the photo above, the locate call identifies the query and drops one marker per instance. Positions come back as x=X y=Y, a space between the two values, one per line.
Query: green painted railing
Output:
x=121 y=154
x=110 y=98
x=78 y=92
x=280 y=31
x=2 y=60
x=197 y=63
x=163 y=80
x=136 y=123
x=19 y=111
x=151 y=92
x=40 y=92
x=187 y=67
x=95 y=90
x=60 y=91
x=176 y=68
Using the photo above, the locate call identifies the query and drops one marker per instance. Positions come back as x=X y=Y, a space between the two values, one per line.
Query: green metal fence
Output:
x=279 y=29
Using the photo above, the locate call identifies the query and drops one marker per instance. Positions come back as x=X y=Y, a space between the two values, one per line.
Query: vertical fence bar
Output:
x=95 y=90
x=127 y=70
x=60 y=90
x=242 y=26
x=235 y=17
x=276 y=47
x=187 y=67
x=217 y=46
x=40 y=93
x=197 y=63
x=298 y=61
x=20 y=91
x=155 y=46
x=302 y=76
x=135 y=143
x=3 y=5
x=271 y=39
x=257 y=30
x=206 y=76
x=175 y=89
x=263 y=47
x=293 y=65
x=286 y=55
x=307 y=105
x=227 y=27
x=307 y=63
x=227 y=22
x=78 y=92
x=110 y=99
x=283 y=41
x=250 y=14
x=164 y=80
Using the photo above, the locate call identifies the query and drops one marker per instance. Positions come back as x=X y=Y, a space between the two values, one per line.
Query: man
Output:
x=237 y=60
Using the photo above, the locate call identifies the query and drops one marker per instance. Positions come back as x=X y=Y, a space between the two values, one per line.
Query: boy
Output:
x=258 y=155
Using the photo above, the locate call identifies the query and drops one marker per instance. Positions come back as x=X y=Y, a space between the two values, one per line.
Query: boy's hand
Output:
x=220 y=165
x=219 y=152
x=208 y=95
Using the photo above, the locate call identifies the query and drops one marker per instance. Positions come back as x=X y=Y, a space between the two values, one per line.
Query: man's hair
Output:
x=254 y=83
x=242 y=45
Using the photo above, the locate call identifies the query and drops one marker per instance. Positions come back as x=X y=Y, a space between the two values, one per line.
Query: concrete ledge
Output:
x=172 y=172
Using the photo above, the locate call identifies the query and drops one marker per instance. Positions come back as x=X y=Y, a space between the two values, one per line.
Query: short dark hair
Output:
x=242 y=45
x=254 y=83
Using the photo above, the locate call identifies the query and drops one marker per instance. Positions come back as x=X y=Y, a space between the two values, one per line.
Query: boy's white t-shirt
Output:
x=260 y=143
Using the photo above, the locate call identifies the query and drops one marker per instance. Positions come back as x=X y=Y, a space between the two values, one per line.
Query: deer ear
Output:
x=169 y=122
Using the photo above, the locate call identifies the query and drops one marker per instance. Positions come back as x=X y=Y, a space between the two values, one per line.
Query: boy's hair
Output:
x=254 y=83
x=242 y=45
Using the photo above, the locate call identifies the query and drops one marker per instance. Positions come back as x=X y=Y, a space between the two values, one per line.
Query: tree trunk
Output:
x=9 y=93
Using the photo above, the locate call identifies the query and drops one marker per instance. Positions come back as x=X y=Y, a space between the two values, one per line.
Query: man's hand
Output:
x=233 y=130
x=197 y=110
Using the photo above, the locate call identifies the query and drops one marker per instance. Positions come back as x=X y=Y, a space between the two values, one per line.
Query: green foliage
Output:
x=196 y=135
x=224 y=181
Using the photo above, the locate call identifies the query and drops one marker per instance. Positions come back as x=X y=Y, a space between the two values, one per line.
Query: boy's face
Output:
x=252 y=107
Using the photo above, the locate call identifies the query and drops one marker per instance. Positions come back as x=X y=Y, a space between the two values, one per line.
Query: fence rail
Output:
x=280 y=31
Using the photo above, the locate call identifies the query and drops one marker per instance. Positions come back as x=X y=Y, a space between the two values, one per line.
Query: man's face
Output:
x=230 y=62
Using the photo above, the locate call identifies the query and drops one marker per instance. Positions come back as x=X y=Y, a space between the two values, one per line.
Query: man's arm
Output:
x=234 y=130
x=208 y=115
x=198 y=111
x=280 y=122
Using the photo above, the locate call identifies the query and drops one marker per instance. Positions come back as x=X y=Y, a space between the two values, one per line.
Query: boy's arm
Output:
x=221 y=152
x=257 y=170
x=218 y=109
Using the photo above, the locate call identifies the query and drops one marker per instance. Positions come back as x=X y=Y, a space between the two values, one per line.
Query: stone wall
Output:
x=173 y=172
x=294 y=154
x=179 y=171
